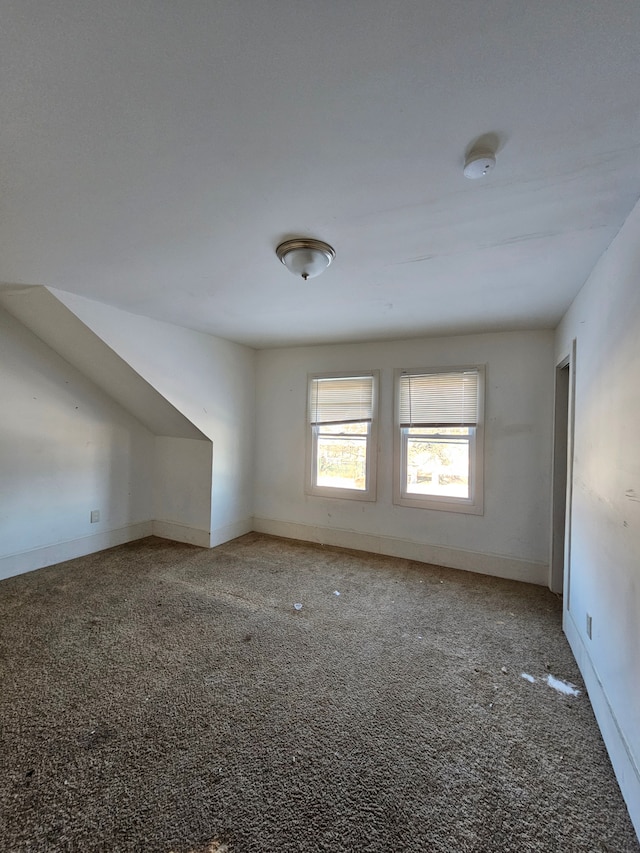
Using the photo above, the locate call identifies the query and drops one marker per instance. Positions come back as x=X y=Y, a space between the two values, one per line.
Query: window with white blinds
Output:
x=439 y=439
x=439 y=399
x=341 y=435
x=341 y=400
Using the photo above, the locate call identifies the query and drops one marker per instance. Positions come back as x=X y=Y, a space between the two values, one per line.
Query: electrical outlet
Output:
x=95 y=515
x=589 y=625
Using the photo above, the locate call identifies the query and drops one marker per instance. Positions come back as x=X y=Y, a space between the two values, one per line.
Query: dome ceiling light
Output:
x=305 y=257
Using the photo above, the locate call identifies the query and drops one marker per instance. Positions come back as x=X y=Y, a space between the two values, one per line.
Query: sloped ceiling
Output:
x=153 y=155
x=39 y=310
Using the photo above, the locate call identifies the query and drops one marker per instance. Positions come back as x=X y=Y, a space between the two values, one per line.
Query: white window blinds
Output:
x=339 y=400
x=439 y=399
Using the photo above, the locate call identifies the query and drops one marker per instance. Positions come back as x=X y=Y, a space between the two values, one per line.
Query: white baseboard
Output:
x=624 y=765
x=454 y=558
x=181 y=533
x=203 y=538
x=48 y=555
x=230 y=531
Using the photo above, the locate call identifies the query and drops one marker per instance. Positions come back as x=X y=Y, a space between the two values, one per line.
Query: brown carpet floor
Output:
x=159 y=697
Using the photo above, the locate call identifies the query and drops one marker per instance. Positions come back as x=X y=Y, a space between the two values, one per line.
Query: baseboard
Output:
x=203 y=538
x=48 y=555
x=181 y=533
x=454 y=558
x=624 y=765
x=230 y=531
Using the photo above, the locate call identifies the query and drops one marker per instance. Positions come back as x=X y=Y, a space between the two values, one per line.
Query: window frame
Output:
x=474 y=504
x=312 y=432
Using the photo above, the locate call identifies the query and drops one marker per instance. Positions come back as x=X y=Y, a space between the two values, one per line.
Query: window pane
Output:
x=342 y=461
x=437 y=466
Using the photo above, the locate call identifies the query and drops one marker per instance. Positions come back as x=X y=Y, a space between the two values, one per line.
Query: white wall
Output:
x=65 y=449
x=510 y=539
x=605 y=514
x=210 y=380
x=182 y=489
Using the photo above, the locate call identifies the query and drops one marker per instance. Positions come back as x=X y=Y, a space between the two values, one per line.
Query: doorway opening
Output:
x=559 y=575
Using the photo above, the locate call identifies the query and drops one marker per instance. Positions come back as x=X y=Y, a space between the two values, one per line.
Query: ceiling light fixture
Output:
x=305 y=257
x=479 y=161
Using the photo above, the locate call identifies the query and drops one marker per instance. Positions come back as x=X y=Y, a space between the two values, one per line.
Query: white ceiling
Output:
x=154 y=153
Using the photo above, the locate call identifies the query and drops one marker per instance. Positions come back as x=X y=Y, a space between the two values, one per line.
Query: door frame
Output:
x=562 y=476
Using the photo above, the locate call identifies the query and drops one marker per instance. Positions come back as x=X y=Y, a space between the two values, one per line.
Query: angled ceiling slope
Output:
x=58 y=327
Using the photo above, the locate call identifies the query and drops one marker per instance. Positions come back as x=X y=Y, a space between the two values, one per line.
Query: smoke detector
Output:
x=479 y=163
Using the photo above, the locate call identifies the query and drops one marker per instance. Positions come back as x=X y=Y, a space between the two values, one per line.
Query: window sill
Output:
x=341 y=494
x=441 y=504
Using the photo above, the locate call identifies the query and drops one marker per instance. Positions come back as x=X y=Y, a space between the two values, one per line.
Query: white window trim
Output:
x=474 y=504
x=310 y=488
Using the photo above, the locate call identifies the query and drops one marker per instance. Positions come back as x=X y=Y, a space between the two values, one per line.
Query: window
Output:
x=341 y=445
x=439 y=439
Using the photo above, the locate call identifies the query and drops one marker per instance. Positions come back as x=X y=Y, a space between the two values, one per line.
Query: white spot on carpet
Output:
x=528 y=677
x=503 y=670
x=213 y=847
x=562 y=686
x=297 y=606
x=335 y=592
